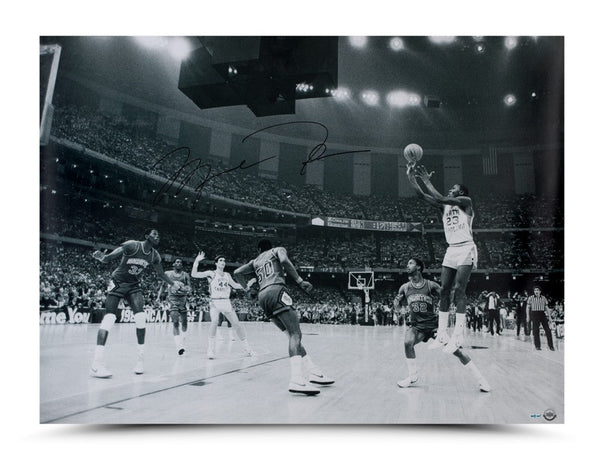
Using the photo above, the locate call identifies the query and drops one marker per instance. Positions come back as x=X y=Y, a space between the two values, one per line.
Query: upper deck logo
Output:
x=549 y=414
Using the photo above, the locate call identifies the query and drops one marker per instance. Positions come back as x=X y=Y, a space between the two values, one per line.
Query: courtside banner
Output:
x=64 y=316
x=375 y=225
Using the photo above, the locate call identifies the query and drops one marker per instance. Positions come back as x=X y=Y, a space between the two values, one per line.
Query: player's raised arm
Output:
x=240 y=273
x=195 y=272
x=104 y=258
x=411 y=174
x=425 y=176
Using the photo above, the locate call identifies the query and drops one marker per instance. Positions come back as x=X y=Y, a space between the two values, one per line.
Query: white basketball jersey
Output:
x=220 y=285
x=457 y=225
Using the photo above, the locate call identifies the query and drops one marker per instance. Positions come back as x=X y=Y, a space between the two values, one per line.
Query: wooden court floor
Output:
x=365 y=361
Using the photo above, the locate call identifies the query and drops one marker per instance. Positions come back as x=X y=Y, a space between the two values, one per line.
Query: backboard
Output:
x=361 y=280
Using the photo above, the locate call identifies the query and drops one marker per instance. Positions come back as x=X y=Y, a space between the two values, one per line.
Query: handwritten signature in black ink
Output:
x=194 y=171
x=318 y=152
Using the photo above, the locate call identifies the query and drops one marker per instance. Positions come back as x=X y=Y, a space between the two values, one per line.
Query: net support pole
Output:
x=55 y=50
x=367 y=305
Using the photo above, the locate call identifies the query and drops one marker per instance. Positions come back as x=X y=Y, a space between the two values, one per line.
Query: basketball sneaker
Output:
x=210 y=353
x=320 y=378
x=139 y=367
x=440 y=340
x=455 y=342
x=484 y=385
x=301 y=387
x=99 y=371
x=406 y=382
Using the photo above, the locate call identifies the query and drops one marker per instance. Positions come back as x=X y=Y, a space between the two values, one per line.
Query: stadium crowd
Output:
x=320 y=249
x=133 y=143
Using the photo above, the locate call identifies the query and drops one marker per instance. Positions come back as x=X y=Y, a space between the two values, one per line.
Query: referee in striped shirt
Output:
x=537 y=307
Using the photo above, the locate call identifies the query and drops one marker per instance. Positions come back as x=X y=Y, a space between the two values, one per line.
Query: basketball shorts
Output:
x=428 y=332
x=274 y=299
x=461 y=255
x=122 y=290
x=117 y=290
x=221 y=305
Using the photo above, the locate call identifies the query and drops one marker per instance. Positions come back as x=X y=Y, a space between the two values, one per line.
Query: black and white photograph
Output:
x=302 y=230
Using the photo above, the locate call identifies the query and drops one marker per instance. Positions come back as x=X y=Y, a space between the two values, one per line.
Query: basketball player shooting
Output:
x=461 y=255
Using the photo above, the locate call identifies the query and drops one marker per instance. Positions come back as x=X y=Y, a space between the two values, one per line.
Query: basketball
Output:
x=413 y=152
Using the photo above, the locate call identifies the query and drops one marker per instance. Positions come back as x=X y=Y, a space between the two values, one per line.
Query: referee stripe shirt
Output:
x=537 y=303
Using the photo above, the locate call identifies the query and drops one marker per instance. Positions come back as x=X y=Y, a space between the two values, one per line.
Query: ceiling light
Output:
x=414 y=99
x=401 y=99
x=442 y=39
x=358 y=41
x=510 y=42
x=370 y=97
x=510 y=100
x=180 y=48
x=341 y=94
x=396 y=44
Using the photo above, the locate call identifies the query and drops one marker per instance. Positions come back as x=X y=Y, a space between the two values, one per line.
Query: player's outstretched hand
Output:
x=423 y=174
x=306 y=286
x=410 y=168
x=200 y=256
x=99 y=255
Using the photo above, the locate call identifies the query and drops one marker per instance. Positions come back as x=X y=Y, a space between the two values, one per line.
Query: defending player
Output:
x=276 y=302
x=177 y=303
x=419 y=296
x=461 y=255
x=125 y=284
x=220 y=284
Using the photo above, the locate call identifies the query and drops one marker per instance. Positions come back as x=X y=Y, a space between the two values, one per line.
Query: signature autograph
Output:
x=198 y=173
x=193 y=166
x=318 y=152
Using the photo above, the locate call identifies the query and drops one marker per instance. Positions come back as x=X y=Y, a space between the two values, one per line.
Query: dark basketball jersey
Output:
x=181 y=276
x=268 y=269
x=134 y=261
x=420 y=305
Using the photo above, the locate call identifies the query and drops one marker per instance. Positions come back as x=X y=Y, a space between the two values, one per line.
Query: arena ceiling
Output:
x=470 y=76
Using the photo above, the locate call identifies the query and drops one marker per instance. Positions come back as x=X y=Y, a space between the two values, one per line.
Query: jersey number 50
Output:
x=265 y=271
